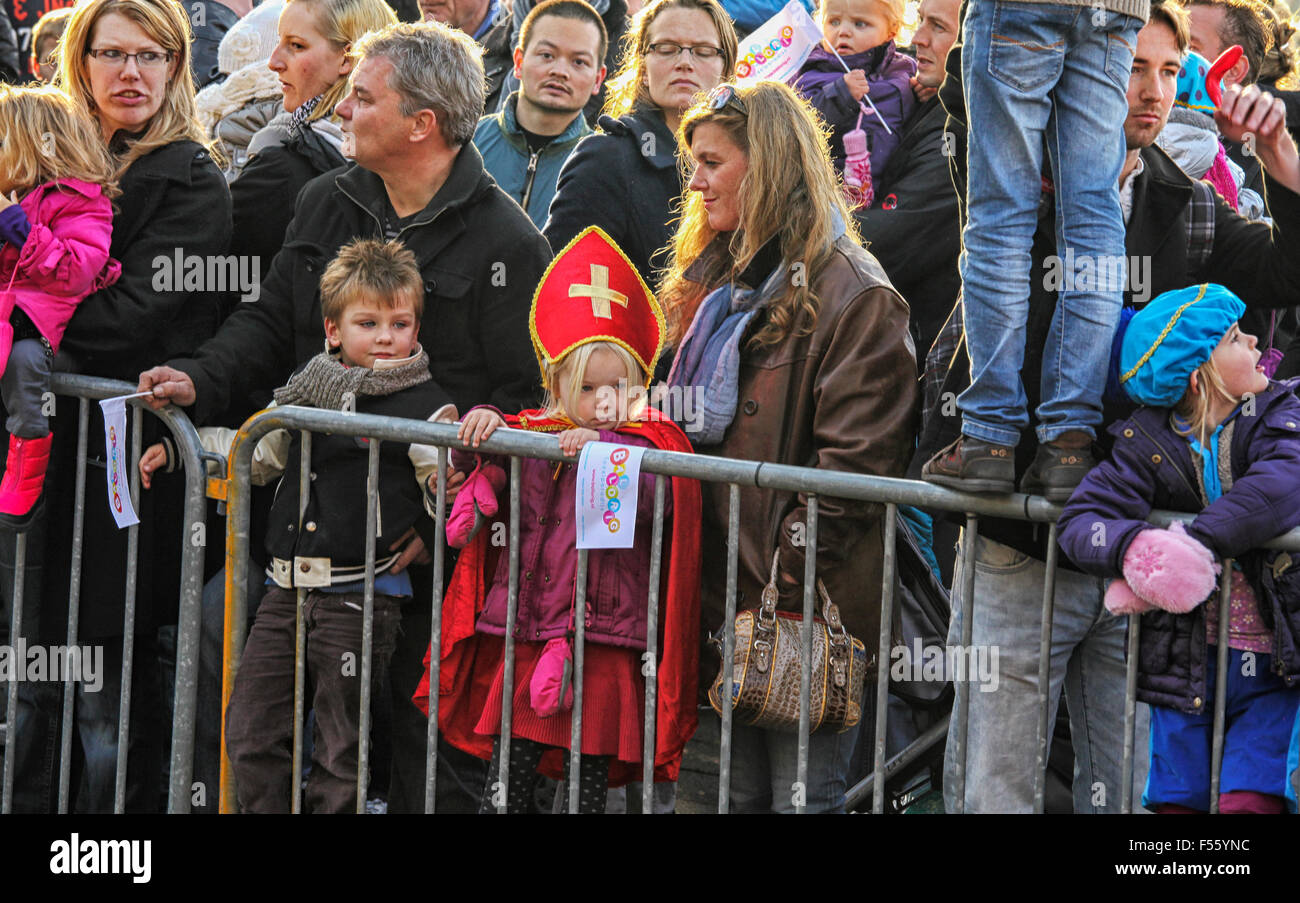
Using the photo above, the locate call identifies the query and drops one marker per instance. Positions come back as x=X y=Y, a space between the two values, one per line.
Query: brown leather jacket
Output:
x=843 y=397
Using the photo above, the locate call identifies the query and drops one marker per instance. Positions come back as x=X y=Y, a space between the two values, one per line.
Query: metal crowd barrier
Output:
x=736 y=473
x=86 y=389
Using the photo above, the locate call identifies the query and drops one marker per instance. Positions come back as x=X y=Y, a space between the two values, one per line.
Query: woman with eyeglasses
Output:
x=126 y=64
x=625 y=178
x=791 y=332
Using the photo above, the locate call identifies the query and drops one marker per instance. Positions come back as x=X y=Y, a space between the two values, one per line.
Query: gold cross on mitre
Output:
x=599 y=292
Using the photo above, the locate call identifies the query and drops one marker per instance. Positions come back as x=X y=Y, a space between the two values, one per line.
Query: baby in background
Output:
x=858 y=36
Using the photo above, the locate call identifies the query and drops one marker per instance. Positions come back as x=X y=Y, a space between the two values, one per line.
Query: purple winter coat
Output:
x=618 y=580
x=1151 y=467
x=821 y=82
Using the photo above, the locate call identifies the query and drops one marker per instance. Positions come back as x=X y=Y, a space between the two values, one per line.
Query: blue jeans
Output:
x=1040 y=75
x=764 y=766
x=1087 y=660
x=36 y=738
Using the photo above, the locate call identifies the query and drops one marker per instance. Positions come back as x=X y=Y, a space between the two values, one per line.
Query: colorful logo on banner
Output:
x=616 y=482
x=114 y=456
x=778 y=47
x=609 y=478
x=115 y=474
x=752 y=63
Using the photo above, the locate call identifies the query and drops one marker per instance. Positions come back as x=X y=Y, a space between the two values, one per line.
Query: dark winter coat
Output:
x=914 y=227
x=1151 y=467
x=481 y=259
x=498 y=57
x=264 y=193
x=624 y=179
x=889 y=73
x=172 y=198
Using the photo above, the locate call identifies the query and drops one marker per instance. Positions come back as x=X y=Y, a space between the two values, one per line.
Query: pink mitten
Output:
x=475 y=503
x=1121 y=600
x=1170 y=569
x=551 y=689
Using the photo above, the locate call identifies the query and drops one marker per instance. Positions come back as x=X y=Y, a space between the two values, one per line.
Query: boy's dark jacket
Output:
x=1151 y=467
x=334 y=522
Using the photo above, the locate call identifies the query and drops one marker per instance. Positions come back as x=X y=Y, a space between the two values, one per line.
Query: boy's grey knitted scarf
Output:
x=324 y=382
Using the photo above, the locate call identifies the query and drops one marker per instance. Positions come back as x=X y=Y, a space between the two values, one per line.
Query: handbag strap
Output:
x=830 y=611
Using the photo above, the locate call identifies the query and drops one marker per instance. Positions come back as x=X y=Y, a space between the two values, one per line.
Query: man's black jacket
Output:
x=913 y=226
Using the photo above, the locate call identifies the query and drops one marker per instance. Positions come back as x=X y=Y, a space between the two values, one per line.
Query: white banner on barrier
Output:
x=116 y=461
x=609 y=478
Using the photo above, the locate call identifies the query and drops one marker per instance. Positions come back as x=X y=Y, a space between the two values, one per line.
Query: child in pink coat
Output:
x=56 y=223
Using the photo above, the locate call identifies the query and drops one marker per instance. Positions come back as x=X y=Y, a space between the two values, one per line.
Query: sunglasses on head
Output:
x=724 y=96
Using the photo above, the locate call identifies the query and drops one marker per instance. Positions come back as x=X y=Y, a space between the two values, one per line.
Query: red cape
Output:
x=469 y=660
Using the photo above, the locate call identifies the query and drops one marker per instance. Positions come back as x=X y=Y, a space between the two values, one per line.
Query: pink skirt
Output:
x=613 y=702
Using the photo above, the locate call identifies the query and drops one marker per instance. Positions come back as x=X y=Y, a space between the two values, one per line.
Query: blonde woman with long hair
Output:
x=125 y=64
x=795 y=349
x=624 y=178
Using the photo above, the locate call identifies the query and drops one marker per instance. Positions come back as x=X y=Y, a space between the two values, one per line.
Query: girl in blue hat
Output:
x=1215 y=437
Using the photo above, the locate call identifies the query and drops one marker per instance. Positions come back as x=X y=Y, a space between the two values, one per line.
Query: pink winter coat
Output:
x=64 y=259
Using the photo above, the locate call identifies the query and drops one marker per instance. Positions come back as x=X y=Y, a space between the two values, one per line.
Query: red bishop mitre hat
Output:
x=591 y=292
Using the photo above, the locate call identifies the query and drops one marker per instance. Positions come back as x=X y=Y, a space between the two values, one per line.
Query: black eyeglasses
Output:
x=667 y=49
x=724 y=96
x=145 y=59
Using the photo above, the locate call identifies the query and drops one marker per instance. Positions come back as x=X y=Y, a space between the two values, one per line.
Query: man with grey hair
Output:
x=417 y=94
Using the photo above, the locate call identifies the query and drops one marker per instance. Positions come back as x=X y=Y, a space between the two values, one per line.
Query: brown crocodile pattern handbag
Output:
x=765 y=669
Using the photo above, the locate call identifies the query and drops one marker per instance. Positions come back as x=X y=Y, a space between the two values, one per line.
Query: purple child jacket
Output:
x=821 y=82
x=618 y=580
x=1150 y=468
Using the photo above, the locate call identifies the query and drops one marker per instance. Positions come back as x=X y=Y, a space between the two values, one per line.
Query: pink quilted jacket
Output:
x=64 y=259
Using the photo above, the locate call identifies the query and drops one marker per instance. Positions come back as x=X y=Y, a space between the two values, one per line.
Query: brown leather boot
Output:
x=972 y=465
x=1057 y=471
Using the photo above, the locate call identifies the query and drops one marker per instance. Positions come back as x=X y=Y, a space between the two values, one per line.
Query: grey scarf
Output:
x=324 y=382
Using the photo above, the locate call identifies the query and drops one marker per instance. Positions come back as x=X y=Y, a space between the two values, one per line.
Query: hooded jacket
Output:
x=479 y=256
x=1151 y=467
x=527 y=177
x=466 y=672
x=279 y=165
